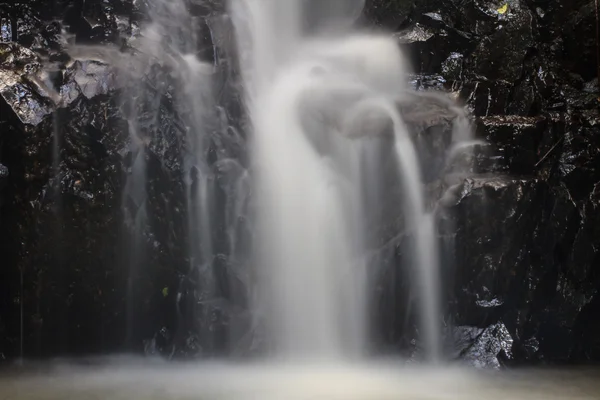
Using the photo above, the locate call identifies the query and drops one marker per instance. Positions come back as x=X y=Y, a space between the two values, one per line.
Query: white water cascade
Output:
x=320 y=96
x=310 y=97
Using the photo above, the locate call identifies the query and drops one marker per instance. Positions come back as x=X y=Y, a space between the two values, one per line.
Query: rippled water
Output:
x=134 y=379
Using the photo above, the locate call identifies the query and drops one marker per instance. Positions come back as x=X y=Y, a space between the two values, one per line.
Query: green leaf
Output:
x=165 y=292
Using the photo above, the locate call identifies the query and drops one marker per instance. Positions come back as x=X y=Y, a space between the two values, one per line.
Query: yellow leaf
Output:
x=165 y=292
x=503 y=9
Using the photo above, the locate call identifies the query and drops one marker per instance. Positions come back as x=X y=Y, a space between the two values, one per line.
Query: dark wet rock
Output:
x=24 y=100
x=23 y=92
x=488 y=348
x=452 y=67
x=429 y=47
x=3 y=177
x=62 y=229
x=486 y=98
x=92 y=78
x=580 y=154
x=515 y=141
x=579 y=30
x=98 y=21
x=66 y=221
x=33 y=92
x=591 y=86
x=458 y=339
x=489 y=263
x=501 y=55
x=424 y=82
x=526 y=256
x=585 y=332
x=388 y=14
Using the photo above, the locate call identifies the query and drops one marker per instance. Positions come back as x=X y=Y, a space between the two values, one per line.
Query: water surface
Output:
x=134 y=379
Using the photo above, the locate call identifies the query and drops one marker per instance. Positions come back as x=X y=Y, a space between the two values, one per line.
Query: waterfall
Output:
x=308 y=97
x=323 y=101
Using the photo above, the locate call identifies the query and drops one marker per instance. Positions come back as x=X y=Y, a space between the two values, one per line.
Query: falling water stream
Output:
x=171 y=39
x=309 y=170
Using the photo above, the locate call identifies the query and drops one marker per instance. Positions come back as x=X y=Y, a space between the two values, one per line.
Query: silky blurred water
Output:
x=136 y=379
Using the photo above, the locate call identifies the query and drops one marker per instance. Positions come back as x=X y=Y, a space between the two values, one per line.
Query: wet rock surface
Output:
x=523 y=227
x=520 y=226
x=66 y=228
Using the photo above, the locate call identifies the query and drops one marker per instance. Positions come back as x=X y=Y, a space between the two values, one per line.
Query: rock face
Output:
x=67 y=219
x=523 y=228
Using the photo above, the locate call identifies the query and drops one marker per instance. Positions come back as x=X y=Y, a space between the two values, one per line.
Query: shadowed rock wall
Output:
x=65 y=240
x=524 y=226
